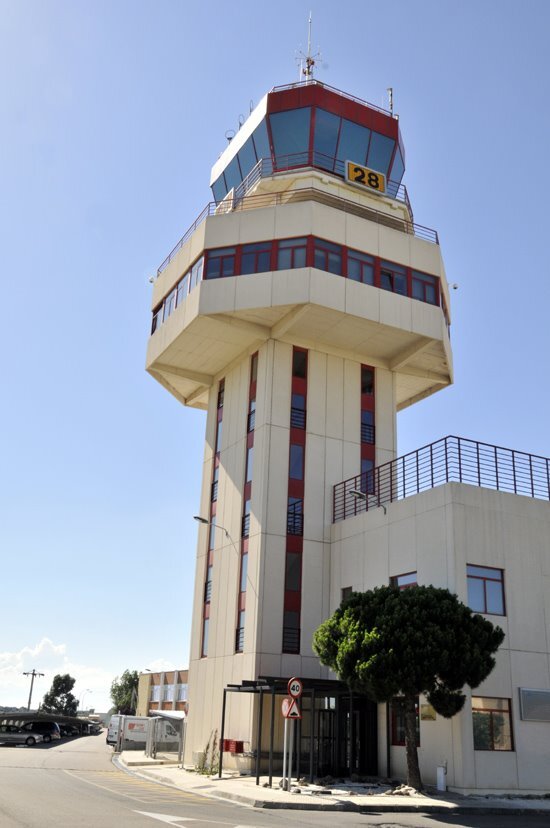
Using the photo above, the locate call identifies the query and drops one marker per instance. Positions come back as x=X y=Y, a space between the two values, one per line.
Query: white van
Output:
x=113 y=730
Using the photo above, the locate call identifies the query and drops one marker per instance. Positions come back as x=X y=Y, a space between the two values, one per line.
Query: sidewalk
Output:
x=339 y=797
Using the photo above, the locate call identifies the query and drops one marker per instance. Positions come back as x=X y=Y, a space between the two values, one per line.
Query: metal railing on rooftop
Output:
x=349 y=97
x=239 y=200
x=449 y=460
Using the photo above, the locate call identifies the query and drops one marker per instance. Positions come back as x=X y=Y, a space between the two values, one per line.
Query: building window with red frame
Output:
x=327 y=256
x=492 y=724
x=360 y=267
x=291 y=253
x=424 y=287
x=256 y=258
x=220 y=262
x=393 y=277
x=485 y=589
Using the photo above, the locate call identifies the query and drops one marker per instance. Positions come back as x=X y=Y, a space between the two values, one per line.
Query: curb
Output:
x=350 y=807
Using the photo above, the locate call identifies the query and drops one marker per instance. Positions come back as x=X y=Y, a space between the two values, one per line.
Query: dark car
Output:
x=69 y=730
x=48 y=730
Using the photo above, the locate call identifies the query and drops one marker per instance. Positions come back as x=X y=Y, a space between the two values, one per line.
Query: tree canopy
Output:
x=59 y=698
x=124 y=692
x=389 y=643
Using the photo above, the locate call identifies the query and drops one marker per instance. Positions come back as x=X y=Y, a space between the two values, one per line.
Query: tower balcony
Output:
x=308 y=261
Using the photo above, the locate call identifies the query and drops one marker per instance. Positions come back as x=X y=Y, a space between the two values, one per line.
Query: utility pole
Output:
x=33 y=676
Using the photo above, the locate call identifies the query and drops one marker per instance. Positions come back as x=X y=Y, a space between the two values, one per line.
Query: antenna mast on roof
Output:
x=309 y=59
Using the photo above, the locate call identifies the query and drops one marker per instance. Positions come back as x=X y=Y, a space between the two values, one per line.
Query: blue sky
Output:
x=112 y=115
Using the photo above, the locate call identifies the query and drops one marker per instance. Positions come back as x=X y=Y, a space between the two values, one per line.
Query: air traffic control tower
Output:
x=302 y=310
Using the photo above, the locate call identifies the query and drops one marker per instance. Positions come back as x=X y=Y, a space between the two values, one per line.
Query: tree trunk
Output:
x=413 y=769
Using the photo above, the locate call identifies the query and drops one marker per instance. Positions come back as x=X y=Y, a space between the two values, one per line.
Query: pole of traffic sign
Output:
x=284 y=751
x=290 y=752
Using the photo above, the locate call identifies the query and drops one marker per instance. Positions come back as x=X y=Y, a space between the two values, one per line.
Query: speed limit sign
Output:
x=295 y=688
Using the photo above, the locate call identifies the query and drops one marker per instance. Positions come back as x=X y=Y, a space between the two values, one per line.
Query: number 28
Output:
x=367 y=177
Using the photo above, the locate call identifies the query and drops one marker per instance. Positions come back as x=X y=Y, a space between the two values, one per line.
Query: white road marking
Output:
x=170 y=820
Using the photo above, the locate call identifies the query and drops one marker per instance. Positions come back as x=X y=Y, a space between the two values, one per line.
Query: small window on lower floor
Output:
x=492 y=722
x=239 y=632
x=346 y=592
x=291 y=632
x=485 y=589
x=398 y=731
x=404 y=581
x=204 y=649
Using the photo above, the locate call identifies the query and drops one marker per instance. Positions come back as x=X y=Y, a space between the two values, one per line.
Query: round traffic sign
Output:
x=295 y=688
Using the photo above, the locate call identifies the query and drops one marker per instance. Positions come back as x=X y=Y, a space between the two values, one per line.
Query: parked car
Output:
x=69 y=730
x=48 y=730
x=13 y=735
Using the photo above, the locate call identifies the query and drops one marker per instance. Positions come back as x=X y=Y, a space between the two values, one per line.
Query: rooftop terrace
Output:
x=449 y=460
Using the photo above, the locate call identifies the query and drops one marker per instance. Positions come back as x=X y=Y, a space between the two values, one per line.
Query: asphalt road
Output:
x=73 y=784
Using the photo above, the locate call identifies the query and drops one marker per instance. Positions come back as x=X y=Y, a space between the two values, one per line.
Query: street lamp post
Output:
x=207 y=522
x=82 y=697
x=33 y=675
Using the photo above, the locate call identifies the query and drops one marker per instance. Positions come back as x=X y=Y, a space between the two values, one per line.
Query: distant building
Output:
x=302 y=310
x=162 y=691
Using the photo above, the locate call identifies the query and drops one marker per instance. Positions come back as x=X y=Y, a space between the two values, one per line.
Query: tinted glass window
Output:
x=212 y=534
x=249 y=463
x=221 y=262
x=476 y=595
x=404 y=581
x=256 y=258
x=495 y=598
x=292 y=253
x=290 y=131
x=353 y=143
x=205 y=637
x=366 y=465
x=219 y=189
x=392 y=277
x=292 y=574
x=233 y=175
x=183 y=287
x=253 y=375
x=430 y=295
x=367 y=380
x=291 y=619
x=328 y=256
x=398 y=167
x=247 y=157
x=360 y=267
x=325 y=138
x=380 y=152
x=244 y=571
x=299 y=364
x=296 y=470
x=261 y=141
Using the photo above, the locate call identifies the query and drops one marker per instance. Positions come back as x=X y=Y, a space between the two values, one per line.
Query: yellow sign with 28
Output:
x=364 y=177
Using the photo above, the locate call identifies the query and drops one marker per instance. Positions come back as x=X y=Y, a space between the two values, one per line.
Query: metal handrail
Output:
x=248 y=202
x=449 y=460
x=349 y=97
